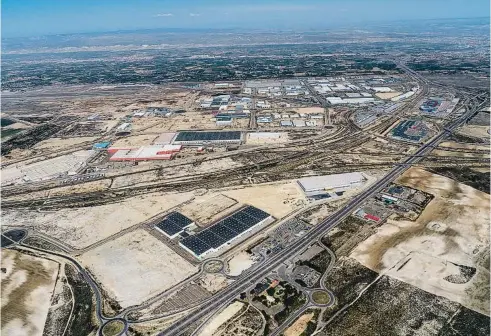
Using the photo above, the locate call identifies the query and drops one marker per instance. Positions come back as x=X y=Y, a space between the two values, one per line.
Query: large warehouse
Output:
x=144 y=153
x=189 y=138
x=316 y=187
x=230 y=229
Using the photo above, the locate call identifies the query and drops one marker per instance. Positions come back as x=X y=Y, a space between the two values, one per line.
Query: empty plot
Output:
x=136 y=266
x=136 y=140
x=205 y=210
x=276 y=199
x=27 y=285
x=221 y=318
x=453 y=228
x=62 y=142
x=80 y=227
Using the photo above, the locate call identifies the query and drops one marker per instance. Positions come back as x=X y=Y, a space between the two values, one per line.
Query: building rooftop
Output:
x=329 y=181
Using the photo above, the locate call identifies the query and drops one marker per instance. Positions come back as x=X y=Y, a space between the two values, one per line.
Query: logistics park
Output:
x=250 y=208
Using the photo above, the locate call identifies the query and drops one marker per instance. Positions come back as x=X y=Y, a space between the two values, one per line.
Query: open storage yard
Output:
x=135 y=267
x=48 y=169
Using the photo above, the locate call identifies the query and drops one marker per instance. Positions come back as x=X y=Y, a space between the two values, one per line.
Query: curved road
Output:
x=243 y=284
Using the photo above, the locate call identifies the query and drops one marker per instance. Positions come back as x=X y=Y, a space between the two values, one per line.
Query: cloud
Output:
x=164 y=15
x=194 y=14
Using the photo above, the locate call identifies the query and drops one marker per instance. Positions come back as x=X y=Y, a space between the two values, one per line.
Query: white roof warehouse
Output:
x=318 y=185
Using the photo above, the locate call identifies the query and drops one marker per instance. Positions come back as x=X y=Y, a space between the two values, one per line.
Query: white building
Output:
x=327 y=185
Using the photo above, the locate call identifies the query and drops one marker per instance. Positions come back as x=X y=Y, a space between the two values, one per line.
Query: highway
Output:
x=242 y=284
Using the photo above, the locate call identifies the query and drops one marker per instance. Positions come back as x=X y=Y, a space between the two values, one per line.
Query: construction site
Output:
x=166 y=198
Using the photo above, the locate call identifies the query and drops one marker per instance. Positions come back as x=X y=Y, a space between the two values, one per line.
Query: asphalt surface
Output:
x=243 y=284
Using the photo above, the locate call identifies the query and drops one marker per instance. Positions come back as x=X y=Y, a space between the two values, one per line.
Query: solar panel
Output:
x=238 y=226
x=255 y=212
x=195 y=245
x=211 y=239
x=208 y=136
x=223 y=231
x=169 y=227
x=179 y=219
x=244 y=218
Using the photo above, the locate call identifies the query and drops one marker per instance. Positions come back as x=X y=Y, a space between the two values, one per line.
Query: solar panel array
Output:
x=208 y=136
x=174 y=223
x=224 y=230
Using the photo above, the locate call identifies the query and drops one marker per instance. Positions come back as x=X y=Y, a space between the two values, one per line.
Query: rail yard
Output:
x=238 y=208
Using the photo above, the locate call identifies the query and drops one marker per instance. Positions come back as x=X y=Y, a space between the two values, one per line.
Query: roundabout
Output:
x=321 y=298
x=114 y=327
x=213 y=266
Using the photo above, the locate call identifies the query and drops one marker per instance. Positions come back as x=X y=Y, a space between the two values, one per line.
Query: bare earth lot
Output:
x=205 y=209
x=80 y=227
x=438 y=252
x=277 y=199
x=221 y=318
x=136 y=266
x=27 y=285
x=59 y=143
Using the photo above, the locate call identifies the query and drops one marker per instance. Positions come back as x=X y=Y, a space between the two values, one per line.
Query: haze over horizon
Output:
x=36 y=18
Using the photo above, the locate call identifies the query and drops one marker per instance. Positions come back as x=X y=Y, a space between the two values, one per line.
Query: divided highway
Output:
x=244 y=283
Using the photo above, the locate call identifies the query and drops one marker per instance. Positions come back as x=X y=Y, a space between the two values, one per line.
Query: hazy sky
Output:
x=40 y=17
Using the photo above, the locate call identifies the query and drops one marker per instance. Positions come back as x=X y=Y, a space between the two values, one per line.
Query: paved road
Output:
x=243 y=284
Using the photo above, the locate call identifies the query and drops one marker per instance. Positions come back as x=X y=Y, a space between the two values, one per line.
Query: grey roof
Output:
x=329 y=181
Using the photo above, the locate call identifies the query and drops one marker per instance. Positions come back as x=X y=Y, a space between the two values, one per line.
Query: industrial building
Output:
x=174 y=224
x=224 y=121
x=338 y=100
x=317 y=187
x=145 y=153
x=222 y=234
x=403 y=96
x=189 y=138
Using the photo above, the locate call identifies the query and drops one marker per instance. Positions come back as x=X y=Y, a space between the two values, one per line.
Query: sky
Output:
x=45 y=17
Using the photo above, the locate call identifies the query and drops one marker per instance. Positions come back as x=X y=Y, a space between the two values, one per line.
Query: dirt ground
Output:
x=136 y=266
x=476 y=131
x=439 y=152
x=239 y=263
x=135 y=140
x=214 y=282
x=452 y=144
x=251 y=140
x=27 y=285
x=277 y=199
x=80 y=228
x=191 y=121
x=221 y=318
x=172 y=172
x=204 y=209
x=453 y=228
x=54 y=143
x=70 y=189
x=298 y=327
